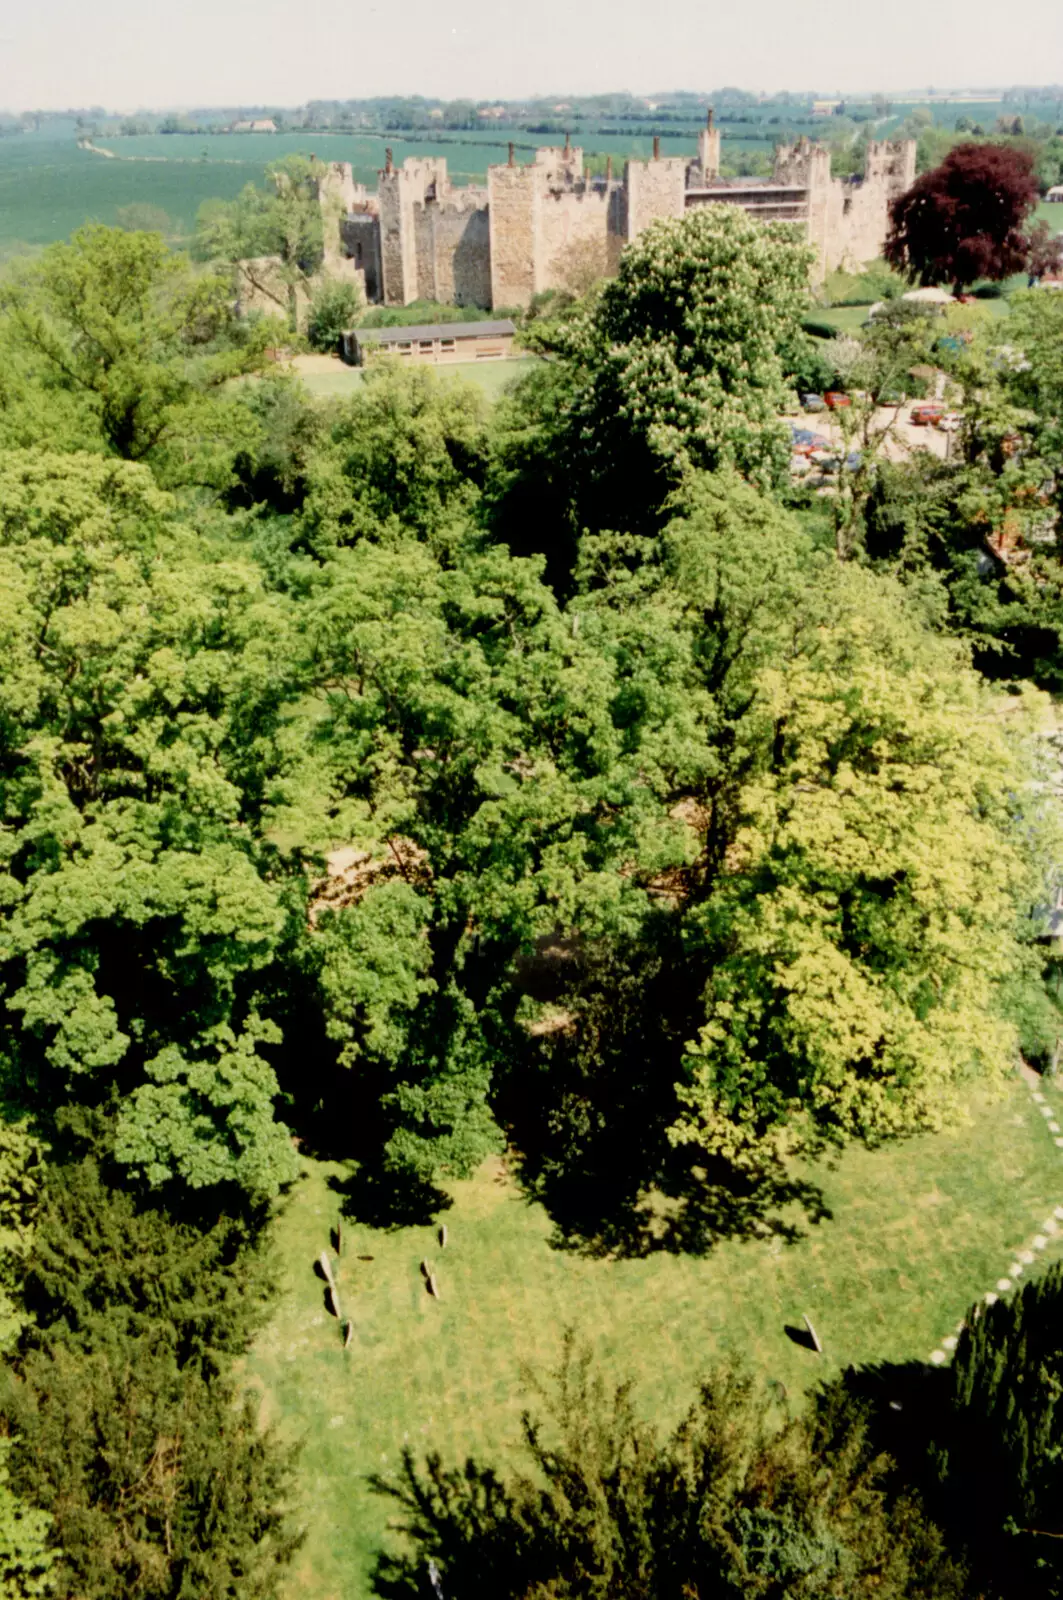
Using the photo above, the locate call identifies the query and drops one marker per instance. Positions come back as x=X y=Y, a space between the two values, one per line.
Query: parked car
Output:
x=892 y=397
x=949 y=421
x=925 y=414
x=803 y=441
x=813 y=402
x=836 y=400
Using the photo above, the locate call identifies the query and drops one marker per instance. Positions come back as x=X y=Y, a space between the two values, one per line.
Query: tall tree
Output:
x=274 y=234
x=139 y=345
x=1004 y=1459
x=965 y=220
x=136 y=908
x=834 y=945
x=979 y=1440
x=677 y=365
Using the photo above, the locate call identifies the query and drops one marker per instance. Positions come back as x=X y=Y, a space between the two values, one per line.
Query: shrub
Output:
x=333 y=309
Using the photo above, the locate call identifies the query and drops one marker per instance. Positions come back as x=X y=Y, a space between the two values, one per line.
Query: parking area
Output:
x=822 y=441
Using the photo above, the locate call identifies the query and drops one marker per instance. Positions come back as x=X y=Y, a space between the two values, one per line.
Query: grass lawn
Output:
x=845 y=318
x=327 y=378
x=916 y=1234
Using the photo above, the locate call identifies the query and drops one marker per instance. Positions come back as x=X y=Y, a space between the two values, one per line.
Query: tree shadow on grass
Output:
x=380 y=1197
x=671 y=1202
x=590 y=1101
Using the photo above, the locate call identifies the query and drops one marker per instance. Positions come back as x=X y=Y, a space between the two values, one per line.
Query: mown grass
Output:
x=493 y=377
x=916 y=1233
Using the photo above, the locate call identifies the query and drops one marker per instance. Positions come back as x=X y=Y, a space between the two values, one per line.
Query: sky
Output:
x=129 y=54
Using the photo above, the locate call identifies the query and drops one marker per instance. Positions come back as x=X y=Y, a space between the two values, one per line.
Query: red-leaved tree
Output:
x=965 y=220
x=1045 y=257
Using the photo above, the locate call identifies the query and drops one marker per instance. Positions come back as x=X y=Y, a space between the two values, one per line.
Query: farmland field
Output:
x=914 y=1235
x=48 y=186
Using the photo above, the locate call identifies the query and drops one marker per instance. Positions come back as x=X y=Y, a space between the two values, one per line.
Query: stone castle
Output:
x=546 y=225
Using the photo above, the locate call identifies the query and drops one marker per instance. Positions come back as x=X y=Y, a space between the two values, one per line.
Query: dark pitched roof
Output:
x=435 y=330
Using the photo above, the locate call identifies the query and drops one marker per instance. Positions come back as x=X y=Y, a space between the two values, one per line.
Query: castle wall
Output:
x=338 y=187
x=514 y=196
x=655 y=189
x=576 y=247
x=360 y=237
x=847 y=221
x=559 y=164
x=453 y=242
x=543 y=226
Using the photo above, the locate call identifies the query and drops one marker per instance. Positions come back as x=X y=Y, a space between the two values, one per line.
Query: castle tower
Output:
x=653 y=190
x=399 y=191
x=709 y=149
x=807 y=166
x=514 y=203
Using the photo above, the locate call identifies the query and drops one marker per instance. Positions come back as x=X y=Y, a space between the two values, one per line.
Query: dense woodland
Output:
x=690 y=820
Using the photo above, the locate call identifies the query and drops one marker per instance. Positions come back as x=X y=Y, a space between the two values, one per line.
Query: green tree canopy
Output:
x=136 y=347
x=136 y=907
x=275 y=232
x=678 y=364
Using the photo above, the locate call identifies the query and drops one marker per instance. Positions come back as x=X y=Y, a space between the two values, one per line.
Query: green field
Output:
x=48 y=186
x=915 y=1234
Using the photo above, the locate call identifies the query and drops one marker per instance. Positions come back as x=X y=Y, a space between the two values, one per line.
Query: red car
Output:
x=836 y=400
x=923 y=416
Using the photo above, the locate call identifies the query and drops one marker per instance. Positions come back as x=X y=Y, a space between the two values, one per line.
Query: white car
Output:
x=950 y=422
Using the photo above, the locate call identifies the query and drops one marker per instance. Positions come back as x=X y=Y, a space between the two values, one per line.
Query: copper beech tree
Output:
x=966 y=219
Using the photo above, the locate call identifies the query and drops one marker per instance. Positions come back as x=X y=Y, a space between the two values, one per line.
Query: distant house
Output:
x=432 y=341
x=261 y=125
x=826 y=108
x=1055 y=193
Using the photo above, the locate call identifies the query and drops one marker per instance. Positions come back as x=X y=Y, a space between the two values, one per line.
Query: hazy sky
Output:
x=129 y=53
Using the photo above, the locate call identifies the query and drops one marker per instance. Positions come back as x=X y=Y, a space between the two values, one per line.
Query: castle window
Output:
x=404 y=347
x=848 y=206
x=446 y=344
x=427 y=344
